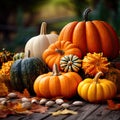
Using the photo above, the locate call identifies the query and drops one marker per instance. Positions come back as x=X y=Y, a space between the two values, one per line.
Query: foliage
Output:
x=23 y=33
x=111 y=15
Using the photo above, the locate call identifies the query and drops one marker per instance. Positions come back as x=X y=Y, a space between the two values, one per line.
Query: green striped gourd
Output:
x=70 y=63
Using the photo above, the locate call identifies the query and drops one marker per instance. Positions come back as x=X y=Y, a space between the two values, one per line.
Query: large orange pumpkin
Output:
x=57 y=50
x=57 y=84
x=92 y=36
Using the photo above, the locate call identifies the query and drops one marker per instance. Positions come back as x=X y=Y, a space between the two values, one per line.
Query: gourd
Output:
x=92 y=63
x=18 y=56
x=92 y=36
x=96 y=90
x=113 y=75
x=57 y=50
x=70 y=63
x=57 y=84
x=37 y=44
x=23 y=72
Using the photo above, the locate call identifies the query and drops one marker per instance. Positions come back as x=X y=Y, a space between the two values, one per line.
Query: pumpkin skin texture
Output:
x=93 y=63
x=23 y=72
x=37 y=44
x=97 y=90
x=57 y=84
x=57 y=50
x=92 y=36
x=70 y=63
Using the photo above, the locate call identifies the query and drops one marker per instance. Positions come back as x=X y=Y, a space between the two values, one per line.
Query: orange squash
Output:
x=57 y=50
x=93 y=63
x=92 y=36
x=57 y=84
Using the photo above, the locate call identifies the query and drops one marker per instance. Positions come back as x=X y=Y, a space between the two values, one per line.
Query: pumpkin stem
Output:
x=97 y=76
x=56 y=71
x=43 y=28
x=61 y=52
x=85 y=13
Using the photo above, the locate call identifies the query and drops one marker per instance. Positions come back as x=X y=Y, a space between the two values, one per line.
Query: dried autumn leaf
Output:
x=38 y=108
x=18 y=107
x=112 y=105
x=4 y=113
x=26 y=93
x=63 y=112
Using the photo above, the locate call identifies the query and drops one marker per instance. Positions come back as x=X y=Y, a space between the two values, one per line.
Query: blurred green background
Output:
x=21 y=20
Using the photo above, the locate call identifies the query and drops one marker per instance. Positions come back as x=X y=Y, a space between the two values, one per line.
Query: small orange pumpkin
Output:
x=57 y=50
x=92 y=36
x=57 y=84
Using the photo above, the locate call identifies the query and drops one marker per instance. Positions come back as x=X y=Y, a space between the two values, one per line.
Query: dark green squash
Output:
x=24 y=71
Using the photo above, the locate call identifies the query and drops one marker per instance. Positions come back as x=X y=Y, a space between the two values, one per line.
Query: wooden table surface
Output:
x=87 y=111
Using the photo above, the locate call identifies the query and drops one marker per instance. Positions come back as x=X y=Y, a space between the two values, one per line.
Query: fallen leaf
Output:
x=38 y=108
x=63 y=112
x=26 y=93
x=112 y=105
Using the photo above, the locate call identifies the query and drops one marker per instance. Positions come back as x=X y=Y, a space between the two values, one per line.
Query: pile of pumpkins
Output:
x=53 y=65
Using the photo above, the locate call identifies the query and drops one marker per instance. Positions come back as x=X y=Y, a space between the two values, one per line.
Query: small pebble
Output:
x=43 y=101
x=4 y=102
x=77 y=103
x=3 y=99
x=34 y=101
x=24 y=99
x=65 y=105
x=59 y=101
x=12 y=95
x=26 y=105
x=49 y=103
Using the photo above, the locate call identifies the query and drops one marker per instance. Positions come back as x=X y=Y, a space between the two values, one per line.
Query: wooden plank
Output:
x=114 y=115
x=61 y=117
x=84 y=112
x=99 y=113
x=13 y=117
x=39 y=116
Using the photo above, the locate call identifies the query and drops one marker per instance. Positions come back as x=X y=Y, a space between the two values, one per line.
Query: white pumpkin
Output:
x=38 y=44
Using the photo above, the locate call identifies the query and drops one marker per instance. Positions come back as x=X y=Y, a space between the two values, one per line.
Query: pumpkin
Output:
x=57 y=50
x=23 y=72
x=18 y=56
x=92 y=36
x=96 y=90
x=93 y=63
x=57 y=84
x=70 y=63
x=39 y=43
x=113 y=75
